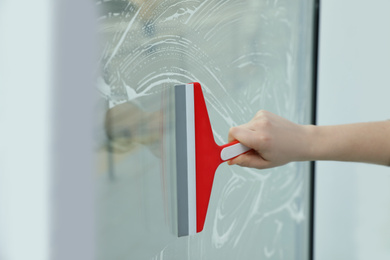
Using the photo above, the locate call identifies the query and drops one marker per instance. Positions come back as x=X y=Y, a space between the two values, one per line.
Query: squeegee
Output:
x=197 y=157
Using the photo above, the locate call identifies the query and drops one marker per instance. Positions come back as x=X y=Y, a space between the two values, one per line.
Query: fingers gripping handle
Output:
x=234 y=149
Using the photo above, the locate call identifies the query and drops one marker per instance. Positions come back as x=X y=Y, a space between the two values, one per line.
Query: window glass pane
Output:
x=248 y=55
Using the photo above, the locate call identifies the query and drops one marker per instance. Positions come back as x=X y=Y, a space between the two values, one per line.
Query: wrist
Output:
x=310 y=147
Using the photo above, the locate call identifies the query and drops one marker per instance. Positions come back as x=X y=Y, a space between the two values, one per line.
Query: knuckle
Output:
x=264 y=141
x=233 y=134
x=263 y=123
x=263 y=118
x=232 y=131
x=261 y=113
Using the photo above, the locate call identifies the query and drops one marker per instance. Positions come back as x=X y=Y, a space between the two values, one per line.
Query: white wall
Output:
x=47 y=61
x=353 y=200
x=24 y=129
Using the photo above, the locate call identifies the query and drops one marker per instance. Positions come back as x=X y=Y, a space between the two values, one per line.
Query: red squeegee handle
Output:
x=232 y=150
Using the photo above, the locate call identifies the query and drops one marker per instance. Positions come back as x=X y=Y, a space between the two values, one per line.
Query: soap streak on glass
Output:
x=248 y=55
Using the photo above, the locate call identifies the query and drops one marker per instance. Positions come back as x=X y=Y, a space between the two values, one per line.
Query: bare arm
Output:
x=277 y=141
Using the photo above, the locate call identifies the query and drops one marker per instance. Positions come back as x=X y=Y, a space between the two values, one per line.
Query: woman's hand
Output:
x=275 y=141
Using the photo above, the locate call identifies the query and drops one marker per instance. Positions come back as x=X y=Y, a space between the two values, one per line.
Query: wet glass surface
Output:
x=248 y=55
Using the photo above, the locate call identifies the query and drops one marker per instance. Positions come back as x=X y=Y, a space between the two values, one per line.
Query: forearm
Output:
x=276 y=141
x=361 y=142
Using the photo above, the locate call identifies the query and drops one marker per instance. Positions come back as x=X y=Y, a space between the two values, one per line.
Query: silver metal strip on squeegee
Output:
x=190 y=112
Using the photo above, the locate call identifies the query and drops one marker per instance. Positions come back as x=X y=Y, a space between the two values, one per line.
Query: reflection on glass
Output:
x=127 y=125
x=248 y=55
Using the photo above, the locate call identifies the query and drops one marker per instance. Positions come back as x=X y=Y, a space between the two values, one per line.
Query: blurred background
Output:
x=352 y=200
x=80 y=179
